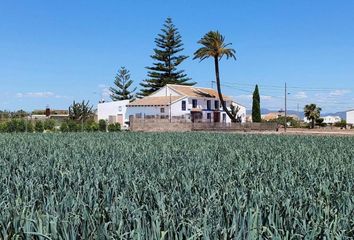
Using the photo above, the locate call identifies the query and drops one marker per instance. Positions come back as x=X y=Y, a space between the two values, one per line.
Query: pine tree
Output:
x=122 y=83
x=164 y=70
x=256 y=109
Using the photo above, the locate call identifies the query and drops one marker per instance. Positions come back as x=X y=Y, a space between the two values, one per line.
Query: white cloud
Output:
x=39 y=95
x=35 y=95
x=266 y=98
x=339 y=92
x=250 y=96
x=104 y=91
x=301 y=95
x=243 y=96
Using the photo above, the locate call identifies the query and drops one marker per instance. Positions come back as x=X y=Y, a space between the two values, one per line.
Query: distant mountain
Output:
x=300 y=114
x=342 y=115
x=266 y=111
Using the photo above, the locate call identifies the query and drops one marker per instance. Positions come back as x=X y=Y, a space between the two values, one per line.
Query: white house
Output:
x=184 y=102
x=350 y=116
x=113 y=112
x=331 y=119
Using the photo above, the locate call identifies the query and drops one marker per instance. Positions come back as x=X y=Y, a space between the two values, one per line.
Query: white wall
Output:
x=176 y=109
x=350 y=116
x=135 y=111
x=107 y=109
x=163 y=92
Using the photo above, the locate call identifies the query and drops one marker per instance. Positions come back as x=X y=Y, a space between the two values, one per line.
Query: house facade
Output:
x=190 y=103
x=350 y=116
x=331 y=119
x=113 y=112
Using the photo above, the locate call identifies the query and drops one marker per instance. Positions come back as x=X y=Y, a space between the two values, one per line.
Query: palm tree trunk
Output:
x=216 y=62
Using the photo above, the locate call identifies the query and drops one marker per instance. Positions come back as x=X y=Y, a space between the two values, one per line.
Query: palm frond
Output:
x=213 y=45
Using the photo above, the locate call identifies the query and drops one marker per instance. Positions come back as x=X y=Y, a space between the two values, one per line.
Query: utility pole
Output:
x=286 y=122
x=212 y=84
x=170 y=109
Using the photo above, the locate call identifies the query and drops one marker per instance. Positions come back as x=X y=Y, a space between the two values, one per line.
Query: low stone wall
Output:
x=182 y=125
x=159 y=125
x=234 y=127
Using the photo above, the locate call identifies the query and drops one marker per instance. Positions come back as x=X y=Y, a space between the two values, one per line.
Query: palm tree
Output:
x=312 y=113
x=214 y=46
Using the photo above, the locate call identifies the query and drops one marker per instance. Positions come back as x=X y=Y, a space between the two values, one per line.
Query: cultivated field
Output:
x=176 y=186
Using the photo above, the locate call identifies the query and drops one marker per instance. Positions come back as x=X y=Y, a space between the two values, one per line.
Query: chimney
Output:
x=47 y=111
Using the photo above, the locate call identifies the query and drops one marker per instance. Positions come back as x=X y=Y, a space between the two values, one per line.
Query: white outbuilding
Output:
x=113 y=112
x=350 y=116
x=331 y=119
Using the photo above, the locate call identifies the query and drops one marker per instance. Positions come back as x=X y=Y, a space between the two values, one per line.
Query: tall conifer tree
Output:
x=166 y=60
x=122 y=84
x=256 y=108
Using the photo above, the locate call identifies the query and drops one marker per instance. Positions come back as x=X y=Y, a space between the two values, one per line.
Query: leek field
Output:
x=175 y=186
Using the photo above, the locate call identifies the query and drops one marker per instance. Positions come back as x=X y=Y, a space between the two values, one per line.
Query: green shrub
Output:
x=102 y=125
x=49 y=124
x=94 y=127
x=64 y=127
x=39 y=127
x=114 y=127
x=3 y=127
x=341 y=124
x=20 y=125
x=73 y=126
x=11 y=126
x=87 y=127
x=30 y=127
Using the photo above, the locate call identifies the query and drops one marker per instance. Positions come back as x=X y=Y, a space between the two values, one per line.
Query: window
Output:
x=120 y=108
x=225 y=103
x=217 y=106
x=183 y=105
x=194 y=103
x=209 y=116
x=162 y=110
x=224 y=117
x=208 y=104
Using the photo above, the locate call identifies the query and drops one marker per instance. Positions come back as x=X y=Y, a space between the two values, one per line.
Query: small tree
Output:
x=312 y=112
x=122 y=84
x=256 y=109
x=102 y=125
x=320 y=122
x=38 y=127
x=80 y=112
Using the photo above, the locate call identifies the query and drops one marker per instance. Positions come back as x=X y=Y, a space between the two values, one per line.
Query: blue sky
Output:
x=54 y=52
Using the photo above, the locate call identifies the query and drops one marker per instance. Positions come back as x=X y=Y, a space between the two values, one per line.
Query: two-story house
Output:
x=186 y=102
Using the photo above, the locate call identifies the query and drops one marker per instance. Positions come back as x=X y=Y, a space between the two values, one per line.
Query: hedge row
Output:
x=21 y=125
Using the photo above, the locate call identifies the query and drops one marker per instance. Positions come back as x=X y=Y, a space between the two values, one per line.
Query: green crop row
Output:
x=175 y=186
